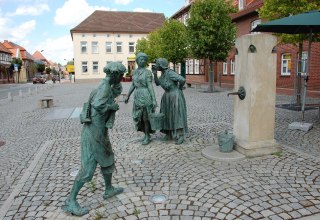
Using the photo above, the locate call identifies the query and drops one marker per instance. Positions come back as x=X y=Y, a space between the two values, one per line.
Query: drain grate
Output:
x=137 y=161
x=158 y=198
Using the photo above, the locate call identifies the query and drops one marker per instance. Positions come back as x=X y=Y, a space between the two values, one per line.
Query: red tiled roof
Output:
x=14 y=52
x=117 y=21
x=13 y=48
x=4 y=49
x=251 y=6
x=38 y=56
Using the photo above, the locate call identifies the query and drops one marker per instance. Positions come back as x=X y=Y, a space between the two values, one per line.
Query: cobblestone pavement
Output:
x=40 y=155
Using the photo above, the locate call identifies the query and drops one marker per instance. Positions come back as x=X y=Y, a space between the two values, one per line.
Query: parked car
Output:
x=39 y=79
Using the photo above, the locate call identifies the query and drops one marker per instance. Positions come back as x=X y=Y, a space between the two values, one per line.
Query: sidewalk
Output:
x=41 y=156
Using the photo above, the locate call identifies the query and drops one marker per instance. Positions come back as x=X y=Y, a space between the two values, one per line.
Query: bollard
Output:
x=10 y=98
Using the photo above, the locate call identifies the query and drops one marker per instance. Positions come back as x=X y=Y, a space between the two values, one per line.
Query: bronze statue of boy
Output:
x=95 y=143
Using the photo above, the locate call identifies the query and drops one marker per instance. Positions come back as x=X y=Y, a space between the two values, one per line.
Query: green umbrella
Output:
x=304 y=23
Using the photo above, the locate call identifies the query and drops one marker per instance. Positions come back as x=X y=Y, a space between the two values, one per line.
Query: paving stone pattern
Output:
x=280 y=186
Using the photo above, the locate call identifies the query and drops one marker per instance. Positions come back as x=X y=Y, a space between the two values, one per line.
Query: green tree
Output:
x=48 y=70
x=40 y=66
x=16 y=61
x=55 y=72
x=275 y=9
x=150 y=45
x=173 y=41
x=142 y=45
x=211 y=32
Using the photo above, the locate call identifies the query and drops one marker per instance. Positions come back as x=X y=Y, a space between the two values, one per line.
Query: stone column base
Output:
x=259 y=148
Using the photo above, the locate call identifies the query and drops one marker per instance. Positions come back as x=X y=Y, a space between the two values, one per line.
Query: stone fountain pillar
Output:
x=254 y=116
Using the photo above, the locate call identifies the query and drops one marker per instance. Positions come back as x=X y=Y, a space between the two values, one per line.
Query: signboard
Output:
x=16 y=67
x=70 y=68
x=133 y=58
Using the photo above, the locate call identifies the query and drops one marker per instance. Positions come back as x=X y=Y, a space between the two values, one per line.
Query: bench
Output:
x=197 y=85
x=46 y=103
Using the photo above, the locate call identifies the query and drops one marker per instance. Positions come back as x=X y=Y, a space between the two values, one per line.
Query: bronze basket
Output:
x=156 y=121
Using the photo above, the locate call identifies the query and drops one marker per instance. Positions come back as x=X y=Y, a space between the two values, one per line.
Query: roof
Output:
x=120 y=21
x=3 y=49
x=251 y=7
x=181 y=11
x=38 y=56
x=25 y=55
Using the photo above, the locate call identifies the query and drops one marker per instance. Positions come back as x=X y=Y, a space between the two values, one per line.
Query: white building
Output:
x=107 y=36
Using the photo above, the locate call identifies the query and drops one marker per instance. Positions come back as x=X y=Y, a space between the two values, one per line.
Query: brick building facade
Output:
x=287 y=54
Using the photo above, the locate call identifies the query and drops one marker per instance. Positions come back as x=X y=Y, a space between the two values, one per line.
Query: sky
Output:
x=44 y=25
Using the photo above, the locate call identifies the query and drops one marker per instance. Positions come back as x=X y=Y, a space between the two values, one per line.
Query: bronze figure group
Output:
x=98 y=117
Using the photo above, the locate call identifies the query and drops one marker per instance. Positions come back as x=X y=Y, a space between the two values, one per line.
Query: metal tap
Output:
x=241 y=93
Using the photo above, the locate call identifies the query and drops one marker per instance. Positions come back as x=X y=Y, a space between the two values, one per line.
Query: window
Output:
x=131 y=47
x=108 y=47
x=225 y=68
x=94 y=47
x=187 y=66
x=130 y=35
x=191 y=66
x=83 y=45
x=254 y=24
x=84 y=66
x=241 y=4
x=95 y=67
x=196 y=66
x=118 y=35
x=108 y=35
x=83 y=35
x=119 y=47
x=233 y=67
x=94 y=35
x=286 y=64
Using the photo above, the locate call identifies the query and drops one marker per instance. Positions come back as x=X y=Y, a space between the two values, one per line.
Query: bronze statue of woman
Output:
x=144 y=101
x=173 y=103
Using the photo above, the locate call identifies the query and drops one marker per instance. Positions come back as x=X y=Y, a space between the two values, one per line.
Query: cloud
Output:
x=141 y=10
x=75 y=11
x=15 y=33
x=23 y=29
x=56 y=49
x=33 y=10
x=123 y=2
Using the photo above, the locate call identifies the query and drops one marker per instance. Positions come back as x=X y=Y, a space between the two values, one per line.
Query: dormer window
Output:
x=241 y=4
